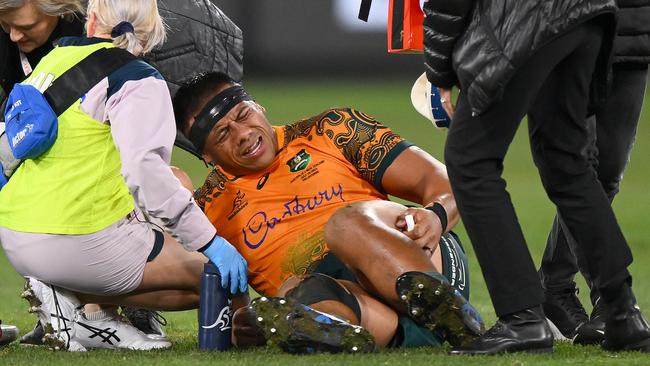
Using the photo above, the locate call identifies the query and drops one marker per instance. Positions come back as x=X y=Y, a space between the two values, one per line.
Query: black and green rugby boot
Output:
x=433 y=303
x=299 y=329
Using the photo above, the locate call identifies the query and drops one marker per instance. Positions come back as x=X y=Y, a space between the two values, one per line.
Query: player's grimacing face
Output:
x=243 y=141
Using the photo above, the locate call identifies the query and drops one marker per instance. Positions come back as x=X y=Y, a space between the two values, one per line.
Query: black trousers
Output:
x=552 y=88
x=614 y=128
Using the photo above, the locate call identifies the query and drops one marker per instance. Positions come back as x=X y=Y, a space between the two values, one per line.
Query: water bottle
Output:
x=215 y=319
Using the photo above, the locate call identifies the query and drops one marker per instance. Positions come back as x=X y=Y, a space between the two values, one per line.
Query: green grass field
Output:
x=388 y=101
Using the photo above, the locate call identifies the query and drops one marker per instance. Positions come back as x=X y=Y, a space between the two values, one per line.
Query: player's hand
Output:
x=445 y=100
x=232 y=266
x=427 y=230
x=245 y=332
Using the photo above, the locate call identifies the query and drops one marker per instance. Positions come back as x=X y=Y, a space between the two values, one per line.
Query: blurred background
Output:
x=316 y=38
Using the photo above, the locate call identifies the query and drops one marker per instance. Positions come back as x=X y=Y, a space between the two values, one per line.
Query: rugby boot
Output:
x=56 y=310
x=593 y=331
x=433 y=303
x=34 y=337
x=149 y=322
x=522 y=331
x=564 y=311
x=299 y=329
x=107 y=329
x=8 y=334
x=625 y=328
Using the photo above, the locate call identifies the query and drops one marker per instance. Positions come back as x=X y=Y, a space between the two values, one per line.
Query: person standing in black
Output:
x=548 y=60
x=614 y=128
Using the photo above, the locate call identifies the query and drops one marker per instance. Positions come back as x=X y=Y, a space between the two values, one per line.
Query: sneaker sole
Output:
x=290 y=326
x=49 y=339
x=438 y=306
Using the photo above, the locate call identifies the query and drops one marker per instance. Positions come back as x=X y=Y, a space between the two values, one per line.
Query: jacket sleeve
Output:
x=444 y=23
x=143 y=128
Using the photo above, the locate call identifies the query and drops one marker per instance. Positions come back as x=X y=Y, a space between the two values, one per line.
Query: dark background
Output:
x=306 y=38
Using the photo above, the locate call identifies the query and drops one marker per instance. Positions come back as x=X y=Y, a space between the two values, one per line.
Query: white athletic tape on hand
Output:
x=410 y=223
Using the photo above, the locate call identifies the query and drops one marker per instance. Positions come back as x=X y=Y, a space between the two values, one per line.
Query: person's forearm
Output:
x=448 y=203
x=144 y=139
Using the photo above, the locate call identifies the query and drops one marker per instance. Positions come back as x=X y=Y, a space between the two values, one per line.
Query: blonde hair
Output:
x=149 y=29
x=65 y=8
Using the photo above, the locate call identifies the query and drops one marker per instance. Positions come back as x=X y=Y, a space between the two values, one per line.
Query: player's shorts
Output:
x=455 y=268
x=108 y=262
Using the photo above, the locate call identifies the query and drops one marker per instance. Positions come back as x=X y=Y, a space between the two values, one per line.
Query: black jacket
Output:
x=11 y=71
x=480 y=44
x=632 y=43
x=200 y=39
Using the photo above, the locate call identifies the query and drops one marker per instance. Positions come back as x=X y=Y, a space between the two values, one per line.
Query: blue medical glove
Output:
x=232 y=266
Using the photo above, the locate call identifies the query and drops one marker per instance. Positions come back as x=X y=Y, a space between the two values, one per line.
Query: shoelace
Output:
x=159 y=318
x=568 y=299
x=495 y=330
x=143 y=316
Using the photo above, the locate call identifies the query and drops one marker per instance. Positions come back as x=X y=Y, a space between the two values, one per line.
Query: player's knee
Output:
x=320 y=289
x=347 y=218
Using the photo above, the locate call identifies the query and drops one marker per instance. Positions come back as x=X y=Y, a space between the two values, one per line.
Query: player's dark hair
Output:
x=193 y=95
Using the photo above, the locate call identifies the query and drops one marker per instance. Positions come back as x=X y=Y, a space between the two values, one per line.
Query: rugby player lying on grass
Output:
x=307 y=206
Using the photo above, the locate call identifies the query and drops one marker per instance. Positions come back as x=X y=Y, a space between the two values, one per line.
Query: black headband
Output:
x=213 y=111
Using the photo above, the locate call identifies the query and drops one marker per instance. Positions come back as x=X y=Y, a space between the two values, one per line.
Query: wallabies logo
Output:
x=299 y=162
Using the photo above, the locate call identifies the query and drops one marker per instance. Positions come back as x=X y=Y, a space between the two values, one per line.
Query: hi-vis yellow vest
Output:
x=75 y=187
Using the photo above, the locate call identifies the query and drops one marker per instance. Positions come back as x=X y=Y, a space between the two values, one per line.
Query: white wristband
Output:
x=410 y=223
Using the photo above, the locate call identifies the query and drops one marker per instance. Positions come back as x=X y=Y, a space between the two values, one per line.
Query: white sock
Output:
x=103 y=314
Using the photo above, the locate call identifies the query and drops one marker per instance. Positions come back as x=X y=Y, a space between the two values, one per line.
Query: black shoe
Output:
x=625 y=328
x=435 y=304
x=8 y=334
x=563 y=308
x=593 y=331
x=526 y=331
x=148 y=322
x=34 y=337
x=299 y=329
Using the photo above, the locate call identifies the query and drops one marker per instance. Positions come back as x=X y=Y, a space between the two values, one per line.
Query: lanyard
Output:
x=27 y=68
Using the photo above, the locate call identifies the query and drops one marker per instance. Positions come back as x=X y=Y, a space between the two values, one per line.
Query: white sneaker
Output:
x=56 y=309
x=109 y=330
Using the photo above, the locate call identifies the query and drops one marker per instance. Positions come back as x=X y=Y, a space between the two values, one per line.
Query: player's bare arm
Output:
x=418 y=177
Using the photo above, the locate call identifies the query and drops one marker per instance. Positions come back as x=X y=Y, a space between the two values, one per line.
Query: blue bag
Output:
x=3 y=179
x=31 y=124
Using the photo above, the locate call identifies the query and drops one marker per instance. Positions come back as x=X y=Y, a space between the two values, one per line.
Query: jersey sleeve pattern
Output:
x=214 y=184
x=366 y=143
